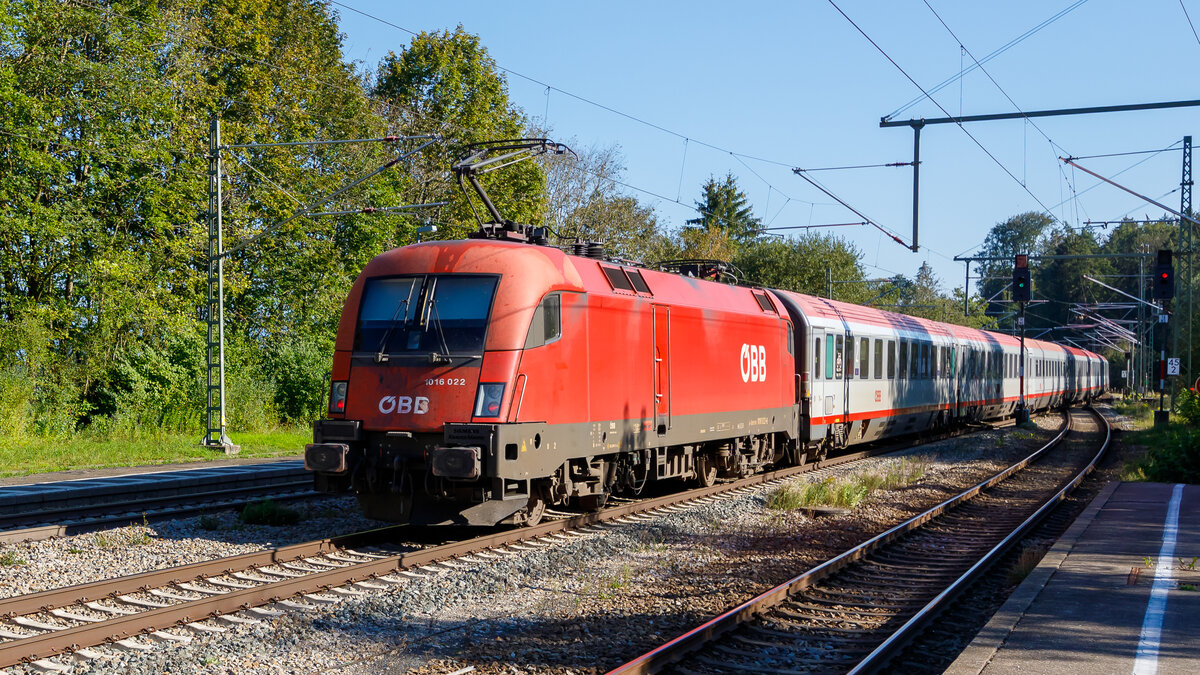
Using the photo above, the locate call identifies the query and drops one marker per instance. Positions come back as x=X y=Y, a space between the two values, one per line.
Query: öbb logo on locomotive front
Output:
x=404 y=405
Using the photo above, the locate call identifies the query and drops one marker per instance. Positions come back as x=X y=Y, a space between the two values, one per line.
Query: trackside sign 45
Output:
x=754 y=363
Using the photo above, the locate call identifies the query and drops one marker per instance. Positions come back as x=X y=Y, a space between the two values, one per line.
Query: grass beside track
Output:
x=19 y=457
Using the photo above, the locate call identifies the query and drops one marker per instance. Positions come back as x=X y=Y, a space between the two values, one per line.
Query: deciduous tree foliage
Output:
x=446 y=83
x=799 y=264
x=103 y=186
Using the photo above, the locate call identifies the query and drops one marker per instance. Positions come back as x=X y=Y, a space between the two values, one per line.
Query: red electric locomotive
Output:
x=478 y=381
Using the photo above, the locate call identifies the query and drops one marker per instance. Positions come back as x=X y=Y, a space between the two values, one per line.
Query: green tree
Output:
x=1061 y=281
x=446 y=83
x=584 y=203
x=102 y=178
x=799 y=264
x=1023 y=233
x=723 y=206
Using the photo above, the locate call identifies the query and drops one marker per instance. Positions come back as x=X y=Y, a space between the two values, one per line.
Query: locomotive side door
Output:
x=662 y=368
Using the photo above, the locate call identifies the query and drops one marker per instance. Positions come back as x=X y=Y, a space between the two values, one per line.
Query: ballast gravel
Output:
x=579 y=606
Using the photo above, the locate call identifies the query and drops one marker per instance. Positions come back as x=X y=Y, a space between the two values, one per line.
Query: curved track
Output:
x=852 y=613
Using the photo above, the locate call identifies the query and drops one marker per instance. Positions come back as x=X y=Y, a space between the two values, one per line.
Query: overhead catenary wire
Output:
x=1003 y=48
x=992 y=79
x=1189 y=20
x=940 y=106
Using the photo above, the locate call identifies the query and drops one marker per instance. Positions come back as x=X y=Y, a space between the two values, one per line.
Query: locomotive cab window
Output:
x=443 y=314
x=546 y=326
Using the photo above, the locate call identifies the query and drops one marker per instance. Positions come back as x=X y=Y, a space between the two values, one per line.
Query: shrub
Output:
x=1173 y=456
x=1188 y=403
x=849 y=491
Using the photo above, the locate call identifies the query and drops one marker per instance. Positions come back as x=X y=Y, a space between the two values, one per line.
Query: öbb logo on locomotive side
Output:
x=754 y=363
x=404 y=405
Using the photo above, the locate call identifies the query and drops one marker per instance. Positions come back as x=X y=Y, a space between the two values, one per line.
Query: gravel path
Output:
x=576 y=607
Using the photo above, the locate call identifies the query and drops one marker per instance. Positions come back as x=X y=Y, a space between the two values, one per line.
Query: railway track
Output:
x=855 y=612
x=170 y=605
x=41 y=511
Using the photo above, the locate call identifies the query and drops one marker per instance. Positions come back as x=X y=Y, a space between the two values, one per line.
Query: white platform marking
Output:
x=1146 y=662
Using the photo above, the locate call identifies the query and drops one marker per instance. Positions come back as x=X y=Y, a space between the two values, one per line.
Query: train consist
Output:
x=479 y=381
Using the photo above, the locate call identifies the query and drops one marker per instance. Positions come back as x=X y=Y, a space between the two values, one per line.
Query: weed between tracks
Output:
x=11 y=559
x=1025 y=563
x=268 y=512
x=134 y=535
x=849 y=491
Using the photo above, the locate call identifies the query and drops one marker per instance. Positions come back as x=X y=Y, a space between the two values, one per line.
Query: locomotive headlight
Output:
x=337 y=397
x=487 y=400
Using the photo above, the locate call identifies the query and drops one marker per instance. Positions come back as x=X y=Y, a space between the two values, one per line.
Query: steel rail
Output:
x=676 y=649
x=903 y=635
x=50 y=644
x=24 y=526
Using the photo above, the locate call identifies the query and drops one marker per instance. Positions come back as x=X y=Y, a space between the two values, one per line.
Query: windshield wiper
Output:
x=444 y=356
x=381 y=352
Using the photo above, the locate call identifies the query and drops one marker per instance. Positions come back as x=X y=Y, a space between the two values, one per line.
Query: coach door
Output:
x=835 y=376
x=662 y=368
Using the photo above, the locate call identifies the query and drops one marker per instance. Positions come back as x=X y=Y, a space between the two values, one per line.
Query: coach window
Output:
x=829 y=358
x=926 y=362
x=878 y=359
x=891 y=359
x=850 y=357
x=864 y=358
x=816 y=358
x=904 y=359
x=839 y=365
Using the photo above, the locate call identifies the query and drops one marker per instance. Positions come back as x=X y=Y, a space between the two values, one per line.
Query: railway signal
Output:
x=1164 y=276
x=1022 y=283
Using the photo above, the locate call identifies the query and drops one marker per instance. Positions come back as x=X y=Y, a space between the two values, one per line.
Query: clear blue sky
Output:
x=795 y=83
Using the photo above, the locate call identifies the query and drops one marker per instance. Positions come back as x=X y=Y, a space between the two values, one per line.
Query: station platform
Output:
x=1094 y=605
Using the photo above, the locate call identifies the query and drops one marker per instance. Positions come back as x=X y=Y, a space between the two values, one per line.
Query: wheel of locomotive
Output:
x=535 y=510
x=706 y=470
